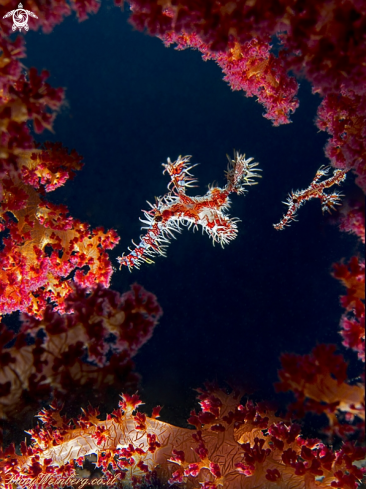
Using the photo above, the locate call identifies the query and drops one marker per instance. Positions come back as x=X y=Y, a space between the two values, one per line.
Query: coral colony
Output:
x=233 y=445
x=56 y=271
x=82 y=352
x=31 y=273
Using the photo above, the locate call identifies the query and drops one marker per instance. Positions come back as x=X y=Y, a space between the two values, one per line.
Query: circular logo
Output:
x=20 y=19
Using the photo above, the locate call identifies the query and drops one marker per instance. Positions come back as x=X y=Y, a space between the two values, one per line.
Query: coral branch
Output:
x=23 y=98
x=176 y=209
x=45 y=245
x=85 y=350
x=325 y=42
x=315 y=191
x=50 y=168
x=352 y=219
x=352 y=277
x=318 y=381
x=252 y=68
x=236 y=446
x=343 y=116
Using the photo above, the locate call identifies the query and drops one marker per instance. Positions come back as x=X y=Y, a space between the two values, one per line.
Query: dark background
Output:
x=228 y=314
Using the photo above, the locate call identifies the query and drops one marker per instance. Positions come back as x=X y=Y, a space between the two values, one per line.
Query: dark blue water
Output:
x=228 y=314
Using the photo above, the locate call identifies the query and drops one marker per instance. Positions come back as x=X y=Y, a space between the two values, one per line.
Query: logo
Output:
x=20 y=18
